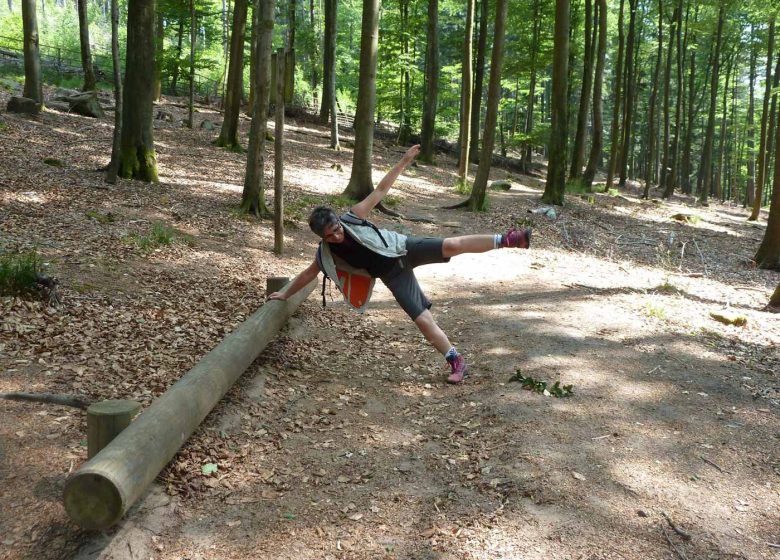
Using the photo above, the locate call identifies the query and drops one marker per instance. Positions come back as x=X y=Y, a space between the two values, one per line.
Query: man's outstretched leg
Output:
x=436 y=336
x=481 y=243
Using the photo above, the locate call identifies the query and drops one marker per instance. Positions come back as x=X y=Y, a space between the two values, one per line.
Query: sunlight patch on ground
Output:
x=26 y=197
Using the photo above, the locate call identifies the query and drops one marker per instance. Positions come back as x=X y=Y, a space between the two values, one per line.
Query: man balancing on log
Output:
x=353 y=253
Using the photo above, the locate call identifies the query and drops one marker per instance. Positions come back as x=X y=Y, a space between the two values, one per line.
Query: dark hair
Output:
x=320 y=218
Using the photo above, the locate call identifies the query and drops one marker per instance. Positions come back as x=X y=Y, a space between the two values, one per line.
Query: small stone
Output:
x=642 y=513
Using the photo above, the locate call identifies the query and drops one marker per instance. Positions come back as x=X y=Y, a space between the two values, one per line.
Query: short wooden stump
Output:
x=275 y=283
x=105 y=420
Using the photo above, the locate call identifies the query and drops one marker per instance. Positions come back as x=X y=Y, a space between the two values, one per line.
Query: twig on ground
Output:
x=63 y=400
x=675 y=528
x=701 y=255
x=654 y=370
x=720 y=469
x=682 y=255
x=679 y=552
x=773 y=545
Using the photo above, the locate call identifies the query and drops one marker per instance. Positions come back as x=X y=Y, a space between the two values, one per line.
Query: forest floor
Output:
x=343 y=440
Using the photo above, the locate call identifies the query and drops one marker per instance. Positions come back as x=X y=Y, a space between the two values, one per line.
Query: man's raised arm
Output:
x=363 y=208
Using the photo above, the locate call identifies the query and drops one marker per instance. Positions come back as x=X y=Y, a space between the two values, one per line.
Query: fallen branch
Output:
x=675 y=528
x=50 y=398
x=720 y=469
x=701 y=255
x=773 y=545
x=679 y=552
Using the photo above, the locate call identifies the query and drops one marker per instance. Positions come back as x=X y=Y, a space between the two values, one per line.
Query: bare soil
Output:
x=343 y=440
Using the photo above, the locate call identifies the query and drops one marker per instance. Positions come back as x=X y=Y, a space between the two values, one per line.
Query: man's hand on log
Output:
x=278 y=295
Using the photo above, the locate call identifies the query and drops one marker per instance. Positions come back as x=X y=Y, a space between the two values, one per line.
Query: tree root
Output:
x=50 y=398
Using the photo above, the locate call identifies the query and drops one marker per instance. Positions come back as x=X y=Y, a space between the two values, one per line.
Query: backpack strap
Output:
x=350 y=218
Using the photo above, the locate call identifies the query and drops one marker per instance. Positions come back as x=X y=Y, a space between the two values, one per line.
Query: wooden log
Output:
x=275 y=283
x=106 y=420
x=99 y=493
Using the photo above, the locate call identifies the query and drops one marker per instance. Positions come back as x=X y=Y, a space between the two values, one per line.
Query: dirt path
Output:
x=343 y=441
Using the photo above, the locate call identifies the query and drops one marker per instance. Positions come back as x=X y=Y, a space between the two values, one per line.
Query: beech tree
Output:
x=86 y=56
x=466 y=94
x=432 y=82
x=228 y=136
x=555 y=186
x=137 y=158
x=360 y=183
x=253 y=198
x=33 y=84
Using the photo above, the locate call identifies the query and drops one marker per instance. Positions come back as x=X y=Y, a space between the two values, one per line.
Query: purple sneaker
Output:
x=516 y=238
x=459 y=370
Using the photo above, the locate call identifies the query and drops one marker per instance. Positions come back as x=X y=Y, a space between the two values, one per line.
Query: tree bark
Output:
x=578 y=151
x=710 y=134
x=598 y=125
x=556 y=169
x=33 y=83
x=479 y=76
x=177 y=63
x=159 y=49
x=191 y=103
x=768 y=254
x=228 y=136
x=685 y=163
x=671 y=182
x=113 y=166
x=466 y=96
x=279 y=156
x=762 y=142
x=405 y=94
x=667 y=86
x=614 y=134
x=526 y=149
x=432 y=81
x=137 y=159
x=751 y=128
x=329 y=60
x=86 y=56
x=651 y=135
x=253 y=197
x=628 y=111
x=477 y=199
x=360 y=183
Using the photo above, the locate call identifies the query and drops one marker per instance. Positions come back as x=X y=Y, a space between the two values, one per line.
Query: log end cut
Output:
x=92 y=500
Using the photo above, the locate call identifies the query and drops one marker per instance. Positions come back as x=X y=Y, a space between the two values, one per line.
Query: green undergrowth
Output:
x=160 y=235
x=530 y=384
x=19 y=273
x=298 y=210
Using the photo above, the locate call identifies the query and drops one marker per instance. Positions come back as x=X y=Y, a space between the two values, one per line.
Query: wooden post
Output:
x=275 y=283
x=99 y=493
x=279 y=156
x=105 y=420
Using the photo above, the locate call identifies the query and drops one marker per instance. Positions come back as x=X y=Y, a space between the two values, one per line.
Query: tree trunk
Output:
x=113 y=166
x=556 y=169
x=360 y=183
x=774 y=301
x=404 y=122
x=159 y=49
x=466 y=93
x=671 y=182
x=710 y=134
x=33 y=84
x=614 y=134
x=137 y=159
x=477 y=200
x=279 y=155
x=719 y=170
x=751 y=129
x=479 y=76
x=685 y=163
x=228 y=136
x=177 y=63
x=628 y=111
x=432 y=81
x=86 y=56
x=191 y=104
x=289 y=69
x=762 y=142
x=768 y=254
x=667 y=87
x=329 y=60
x=651 y=135
x=253 y=198
x=527 y=148
x=598 y=125
x=334 y=121
x=578 y=151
